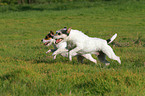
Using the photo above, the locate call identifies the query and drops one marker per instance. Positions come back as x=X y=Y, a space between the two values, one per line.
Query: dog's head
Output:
x=48 y=40
x=62 y=34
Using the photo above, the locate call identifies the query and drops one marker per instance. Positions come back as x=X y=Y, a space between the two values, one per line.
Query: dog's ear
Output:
x=69 y=29
x=51 y=32
x=65 y=28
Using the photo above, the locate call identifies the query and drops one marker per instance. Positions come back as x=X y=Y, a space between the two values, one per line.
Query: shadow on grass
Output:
x=8 y=76
x=61 y=59
x=13 y=75
x=50 y=60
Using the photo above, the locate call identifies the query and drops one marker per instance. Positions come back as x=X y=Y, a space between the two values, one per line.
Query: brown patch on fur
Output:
x=48 y=38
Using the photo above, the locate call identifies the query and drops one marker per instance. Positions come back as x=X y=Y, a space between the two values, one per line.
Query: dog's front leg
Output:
x=54 y=57
x=56 y=52
x=48 y=51
x=60 y=50
x=73 y=52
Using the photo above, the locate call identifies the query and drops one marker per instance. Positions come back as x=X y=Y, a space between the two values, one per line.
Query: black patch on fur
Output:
x=65 y=32
x=108 y=40
x=46 y=37
x=50 y=35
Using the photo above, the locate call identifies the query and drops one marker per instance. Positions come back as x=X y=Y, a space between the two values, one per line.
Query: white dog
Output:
x=62 y=48
x=86 y=45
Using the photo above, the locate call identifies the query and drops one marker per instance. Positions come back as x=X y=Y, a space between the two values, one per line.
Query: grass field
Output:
x=25 y=69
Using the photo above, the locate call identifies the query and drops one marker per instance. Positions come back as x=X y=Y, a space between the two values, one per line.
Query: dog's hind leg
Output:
x=89 y=57
x=109 y=52
x=80 y=58
x=102 y=58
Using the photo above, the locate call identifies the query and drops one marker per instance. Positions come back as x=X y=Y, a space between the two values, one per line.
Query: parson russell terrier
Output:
x=62 y=48
x=86 y=45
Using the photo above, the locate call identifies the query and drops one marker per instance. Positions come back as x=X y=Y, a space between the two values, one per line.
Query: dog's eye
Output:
x=59 y=33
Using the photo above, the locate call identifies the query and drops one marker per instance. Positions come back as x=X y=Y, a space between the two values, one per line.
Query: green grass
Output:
x=25 y=69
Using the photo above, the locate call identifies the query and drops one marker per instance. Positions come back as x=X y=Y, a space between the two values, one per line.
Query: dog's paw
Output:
x=54 y=54
x=54 y=57
x=70 y=57
x=48 y=51
x=66 y=50
x=107 y=64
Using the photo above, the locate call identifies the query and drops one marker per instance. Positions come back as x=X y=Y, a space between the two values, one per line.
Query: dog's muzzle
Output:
x=58 y=40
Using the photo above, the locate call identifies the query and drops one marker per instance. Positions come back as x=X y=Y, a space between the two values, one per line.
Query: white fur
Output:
x=87 y=45
x=50 y=41
x=60 y=48
x=112 y=38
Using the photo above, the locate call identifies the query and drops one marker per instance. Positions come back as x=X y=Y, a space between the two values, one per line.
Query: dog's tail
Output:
x=111 y=39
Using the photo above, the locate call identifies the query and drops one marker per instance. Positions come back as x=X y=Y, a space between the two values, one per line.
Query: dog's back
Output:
x=77 y=36
x=82 y=40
